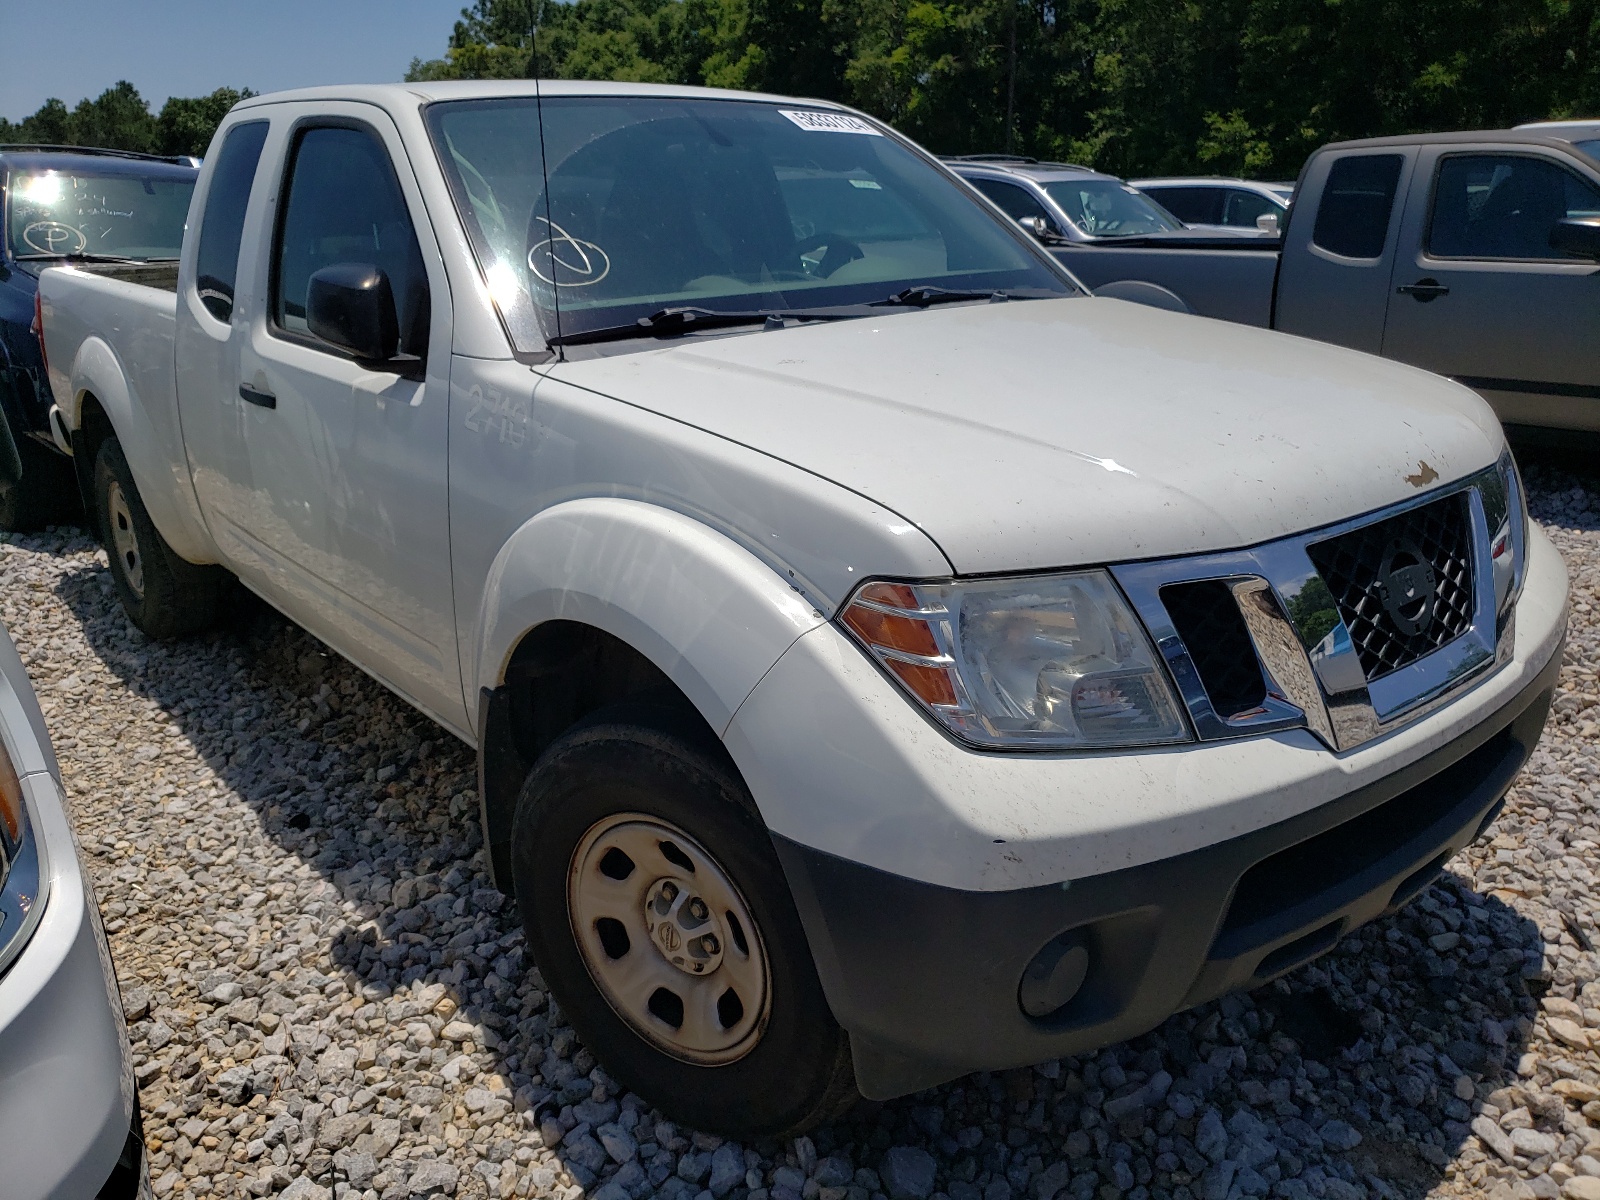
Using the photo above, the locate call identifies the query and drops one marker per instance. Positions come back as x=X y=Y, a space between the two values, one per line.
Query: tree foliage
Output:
x=1133 y=86
x=120 y=119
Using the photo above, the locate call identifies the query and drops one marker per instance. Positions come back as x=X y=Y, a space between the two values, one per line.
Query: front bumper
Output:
x=928 y=875
x=67 y=1101
x=926 y=978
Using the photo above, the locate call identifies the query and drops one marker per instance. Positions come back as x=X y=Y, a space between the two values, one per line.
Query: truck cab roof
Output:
x=1533 y=135
x=394 y=96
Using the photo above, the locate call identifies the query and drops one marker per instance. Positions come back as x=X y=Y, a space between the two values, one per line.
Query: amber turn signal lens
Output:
x=931 y=685
x=10 y=799
x=906 y=634
x=890 y=634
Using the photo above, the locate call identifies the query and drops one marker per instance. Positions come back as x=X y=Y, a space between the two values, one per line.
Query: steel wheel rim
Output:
x=124 y=542
x=718 y=993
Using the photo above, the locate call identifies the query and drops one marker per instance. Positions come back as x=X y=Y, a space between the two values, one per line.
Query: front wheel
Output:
x=164 y=595
x=659 y=917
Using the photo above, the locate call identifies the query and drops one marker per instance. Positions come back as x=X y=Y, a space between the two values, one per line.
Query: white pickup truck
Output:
x=885 y=660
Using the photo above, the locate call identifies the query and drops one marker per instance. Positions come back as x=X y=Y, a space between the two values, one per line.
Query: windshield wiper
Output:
x=668 y=322
x=926 y=294
x=90 y=256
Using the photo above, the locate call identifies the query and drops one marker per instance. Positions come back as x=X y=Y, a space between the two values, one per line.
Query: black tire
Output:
x=799 y=1072
x=47 y=493
x=164 y=595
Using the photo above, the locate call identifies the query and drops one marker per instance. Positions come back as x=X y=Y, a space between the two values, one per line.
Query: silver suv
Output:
x=1064 y=202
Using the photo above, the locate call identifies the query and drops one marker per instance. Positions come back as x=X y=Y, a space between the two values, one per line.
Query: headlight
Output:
x=21 y=877
x=1505 y=511
x=1046 y=663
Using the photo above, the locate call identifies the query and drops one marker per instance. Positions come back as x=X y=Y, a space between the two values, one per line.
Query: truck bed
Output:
x=1229 y=278
x=110 y=339
x=160 y=275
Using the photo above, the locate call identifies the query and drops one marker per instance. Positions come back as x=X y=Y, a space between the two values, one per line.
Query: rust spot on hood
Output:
x=1425 y=474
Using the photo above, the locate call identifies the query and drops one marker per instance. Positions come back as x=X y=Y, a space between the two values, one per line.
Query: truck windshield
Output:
x=1106 y=208
x=723 y=205
x=58 y=214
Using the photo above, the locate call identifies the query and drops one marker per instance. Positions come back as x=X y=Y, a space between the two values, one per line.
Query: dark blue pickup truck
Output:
x=62 y=204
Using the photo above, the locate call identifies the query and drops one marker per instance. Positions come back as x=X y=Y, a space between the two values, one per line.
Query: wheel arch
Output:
x=601 y=600
x=101 y=403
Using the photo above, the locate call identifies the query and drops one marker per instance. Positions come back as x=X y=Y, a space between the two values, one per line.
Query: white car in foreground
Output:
x=69 y=1116
x=886 y=661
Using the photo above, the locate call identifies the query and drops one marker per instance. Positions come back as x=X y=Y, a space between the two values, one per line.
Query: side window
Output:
x=343 y=204
x=1014 y=201
x=222 y=223
x=1353 y=217
x=1242 y=208
x=1191 y=205
x=1503 y=206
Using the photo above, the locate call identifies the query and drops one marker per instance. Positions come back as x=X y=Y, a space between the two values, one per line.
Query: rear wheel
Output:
x=658 y=914
x=47 y=493
x=163 y=594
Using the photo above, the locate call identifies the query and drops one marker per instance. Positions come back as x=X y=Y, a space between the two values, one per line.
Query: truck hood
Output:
x=1055 y=433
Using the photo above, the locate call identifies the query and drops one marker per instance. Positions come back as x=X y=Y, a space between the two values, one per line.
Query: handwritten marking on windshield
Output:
x=53 y=237
x=585 y=262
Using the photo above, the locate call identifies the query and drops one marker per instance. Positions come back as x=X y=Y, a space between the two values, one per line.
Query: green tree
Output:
x=119 y=119
x=1132 y=86
x=185 y=126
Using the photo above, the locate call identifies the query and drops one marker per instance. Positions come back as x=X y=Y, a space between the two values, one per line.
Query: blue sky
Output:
x=77 y=48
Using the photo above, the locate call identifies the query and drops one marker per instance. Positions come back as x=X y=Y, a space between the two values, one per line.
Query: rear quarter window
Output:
x=222 y=225
x=1353 y=216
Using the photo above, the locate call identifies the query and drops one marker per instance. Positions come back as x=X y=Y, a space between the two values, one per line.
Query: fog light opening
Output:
x=1055 y=975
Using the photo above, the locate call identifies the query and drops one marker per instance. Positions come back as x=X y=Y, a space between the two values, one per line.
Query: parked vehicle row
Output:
x=68 y=204
x=861 y=698
x=1473 y=255
x=1062 y=203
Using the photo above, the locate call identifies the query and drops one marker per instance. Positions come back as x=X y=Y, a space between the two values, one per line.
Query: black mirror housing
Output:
x=1577 y=237
x=351 y=306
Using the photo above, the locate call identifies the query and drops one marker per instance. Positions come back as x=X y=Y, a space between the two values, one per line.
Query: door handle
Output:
x=1424 y=290
x=263 y=399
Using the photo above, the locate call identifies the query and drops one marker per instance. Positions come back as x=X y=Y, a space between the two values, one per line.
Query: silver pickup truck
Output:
x=861 y=699
x=1475 y=255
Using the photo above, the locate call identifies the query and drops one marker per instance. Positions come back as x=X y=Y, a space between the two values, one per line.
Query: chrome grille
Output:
x=1337 y=634
x=1402 y=585
x=1208 y=620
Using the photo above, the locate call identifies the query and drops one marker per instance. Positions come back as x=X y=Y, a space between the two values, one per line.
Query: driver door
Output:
x=348 y=528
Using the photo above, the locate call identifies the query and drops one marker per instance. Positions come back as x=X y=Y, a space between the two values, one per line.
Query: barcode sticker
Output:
x=828 y=122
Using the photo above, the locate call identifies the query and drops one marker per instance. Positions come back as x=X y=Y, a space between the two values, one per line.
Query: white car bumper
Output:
x=66 y=1080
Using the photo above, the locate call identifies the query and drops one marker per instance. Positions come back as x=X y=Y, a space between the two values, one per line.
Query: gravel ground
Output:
x=326 y=997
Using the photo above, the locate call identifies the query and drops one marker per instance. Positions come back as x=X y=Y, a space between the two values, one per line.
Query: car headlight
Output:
x=21 y=877
x=1054 y=662
x=1505 y=510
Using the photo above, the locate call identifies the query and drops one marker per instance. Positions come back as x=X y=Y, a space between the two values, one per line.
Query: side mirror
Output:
x=1577 y=237
x=351 y=305
x=1268 y=223
x=1040 y=228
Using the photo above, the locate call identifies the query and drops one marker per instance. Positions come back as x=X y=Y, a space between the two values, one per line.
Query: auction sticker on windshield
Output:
x=827 y=122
